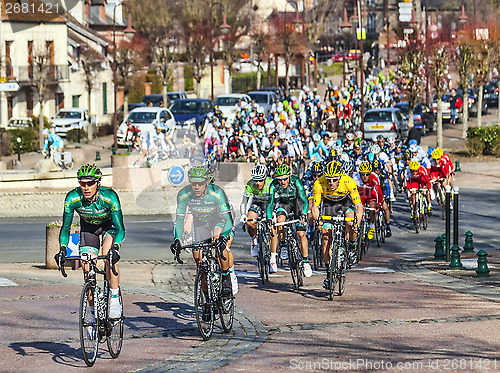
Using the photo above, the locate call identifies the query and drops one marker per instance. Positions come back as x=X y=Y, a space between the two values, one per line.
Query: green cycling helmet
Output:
x=283 y=170
x=89 y=171
x=199 y=173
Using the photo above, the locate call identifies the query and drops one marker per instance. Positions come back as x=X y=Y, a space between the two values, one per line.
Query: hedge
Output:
x=484 y=140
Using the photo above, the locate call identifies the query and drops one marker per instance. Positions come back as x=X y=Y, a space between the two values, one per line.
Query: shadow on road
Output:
x=61 y=353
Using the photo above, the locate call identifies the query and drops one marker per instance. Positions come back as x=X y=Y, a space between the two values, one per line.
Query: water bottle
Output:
x=216 y=280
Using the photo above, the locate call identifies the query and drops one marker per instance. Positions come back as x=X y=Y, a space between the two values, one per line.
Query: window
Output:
x=29 y=101
x=30 y=59
x=10 y=106
x=76 y=101
x=8 y=60
x=371 y=23
x=104 y=98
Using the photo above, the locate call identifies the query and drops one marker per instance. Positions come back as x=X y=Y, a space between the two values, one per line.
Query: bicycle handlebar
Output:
x=287 y=222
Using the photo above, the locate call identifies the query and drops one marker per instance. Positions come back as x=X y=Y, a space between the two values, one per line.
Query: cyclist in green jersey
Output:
x=285 y=195
x=100 y=217
x=254 y=203
x=212 y=219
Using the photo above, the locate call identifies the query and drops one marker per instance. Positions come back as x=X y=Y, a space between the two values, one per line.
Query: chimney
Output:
x=102 y=11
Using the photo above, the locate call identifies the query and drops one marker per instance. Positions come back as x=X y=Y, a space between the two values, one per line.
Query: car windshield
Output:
x=378 y=116
x=405 y=109
x=226 y=101
x=141 y=117
x=69 y=115
x=185 y=107
x=259 y=98
x=174 y=96
x=489 y=88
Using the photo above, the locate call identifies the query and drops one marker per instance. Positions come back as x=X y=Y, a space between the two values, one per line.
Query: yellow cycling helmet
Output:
x=333 y=169
x=441 y=151
x=436 y=154
x=365 y=168
x=414 y=165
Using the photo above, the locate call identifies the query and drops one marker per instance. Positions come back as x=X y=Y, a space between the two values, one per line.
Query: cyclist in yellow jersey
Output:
x=338 y=193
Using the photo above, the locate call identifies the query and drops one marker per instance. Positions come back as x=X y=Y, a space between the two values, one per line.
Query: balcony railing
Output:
x=27 y=74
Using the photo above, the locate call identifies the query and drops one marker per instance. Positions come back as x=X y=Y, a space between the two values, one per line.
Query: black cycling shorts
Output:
x=90 y=235
x=287 y=209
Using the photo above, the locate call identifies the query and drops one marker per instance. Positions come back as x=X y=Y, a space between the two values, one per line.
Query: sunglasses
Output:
x=333 y=179
x=198 y=184
x=283 y=179
x=87 y=183
x=364 y=174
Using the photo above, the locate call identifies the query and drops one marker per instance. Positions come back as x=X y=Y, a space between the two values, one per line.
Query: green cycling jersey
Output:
x=212 y=206
x=104 y=209
x=258 y=195
x=290 y=195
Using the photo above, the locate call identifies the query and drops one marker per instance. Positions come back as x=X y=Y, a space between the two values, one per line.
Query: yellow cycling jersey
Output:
x=347 y=186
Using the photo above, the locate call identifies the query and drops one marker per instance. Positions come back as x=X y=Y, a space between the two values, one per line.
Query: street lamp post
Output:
x=361 y=68
x=129 y=34
x=345 y=27
x=224 y=29
x=296 y=23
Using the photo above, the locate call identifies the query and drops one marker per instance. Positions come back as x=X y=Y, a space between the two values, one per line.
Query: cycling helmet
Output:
x=317 y=169
x=436 y=154
x=440 y=151
x=199 y=173
x=375 y=149
x=282 y=136
x=357 y=145
x=259 y=172
x=413 y=148
x=412 y=142
x=391 y=140
x=349 y=136
x=377 y=165
x=283 y=170
x=407 y=154
x=316 y=137
x=414 y=165
x=365 y=168
x=89 y=171
x=380 y=138
x=45 y=132
x=333 y=169
x=358 y=134
x=332 y=153
x=347 y=168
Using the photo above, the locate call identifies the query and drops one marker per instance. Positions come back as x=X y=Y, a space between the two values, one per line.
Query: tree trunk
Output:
x=40 y=122
x=269 y=81
x=89 y=127
x=465 y=118
x=498 y=107
x=259 y=74
x=286 y=74
x=410 y=118
x=164 y=91
x=480 y=105
x=439 y=123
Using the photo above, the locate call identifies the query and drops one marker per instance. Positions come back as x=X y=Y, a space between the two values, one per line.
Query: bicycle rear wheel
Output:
x=115 y=333
x=261 y=260
x=377 y=231
x=425 y=215
x=416 y=216
x=331 y=275
x=203 y=307
x=89 y=326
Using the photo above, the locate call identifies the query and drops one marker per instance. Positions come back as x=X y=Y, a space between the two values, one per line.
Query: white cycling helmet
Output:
x=45 y=132
x=316 y=137
x=259 y=172
x=413 y=148
x=391 y=140
x=375 y=149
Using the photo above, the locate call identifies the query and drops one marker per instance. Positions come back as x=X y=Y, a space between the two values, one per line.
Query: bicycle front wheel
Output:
x=115 y=333
x=203 y=307
x=227 y=313
x=341 y=271
x=261 y=260
x=89 y=325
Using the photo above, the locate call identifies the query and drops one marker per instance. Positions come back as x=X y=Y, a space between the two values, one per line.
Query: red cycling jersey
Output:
x=369 y=191
x=421 y=179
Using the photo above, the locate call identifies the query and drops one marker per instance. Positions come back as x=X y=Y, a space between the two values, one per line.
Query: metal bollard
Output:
x=456 y=191
x=482 y=264
x=455 y=262
x=457 y=166
x=439 y=248
x=469 y=244
x=447 y=223
x=113 y=150
x=97 y=155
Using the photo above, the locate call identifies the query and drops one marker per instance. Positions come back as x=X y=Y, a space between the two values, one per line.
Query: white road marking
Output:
x=6 y=282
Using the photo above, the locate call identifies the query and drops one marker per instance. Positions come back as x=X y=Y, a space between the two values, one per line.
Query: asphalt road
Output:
x=149 y=237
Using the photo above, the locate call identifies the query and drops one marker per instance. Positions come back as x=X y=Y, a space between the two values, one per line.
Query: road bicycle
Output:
x=440 y=195
x=264 y=245
x=294 y=254
x=94 y=322
x=63 y=160
x=338 y=259
x=315 y=239
x=420 y=210
x=380 y=227
x=363 y=243
x=209 y=304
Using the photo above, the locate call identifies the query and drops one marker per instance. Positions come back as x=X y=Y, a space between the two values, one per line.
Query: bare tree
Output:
x=439 y=69
x=481 y=70
x=91 y=63
x=163 y=56
x=412 y=75
x=464 y=61
x=129 y=60
x=42 y=71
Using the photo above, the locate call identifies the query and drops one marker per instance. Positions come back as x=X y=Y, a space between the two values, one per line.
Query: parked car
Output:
x=339 y=56
x=445 y=107
x=473 y=103
x=387 y=122
x=280 y=92
x=354 y=54
x=144 y=118
x=68 y=119
x=16 y=123
x=423 y=116
x=264 y=99
x=157 y=99
x=119 y=111
x=490 y=93
x=189 y=112
x=226 y=103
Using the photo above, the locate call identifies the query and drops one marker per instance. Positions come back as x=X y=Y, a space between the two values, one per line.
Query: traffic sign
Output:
x=9 y=87
x=73 y=248
x=176 y=175
x=3 y=79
